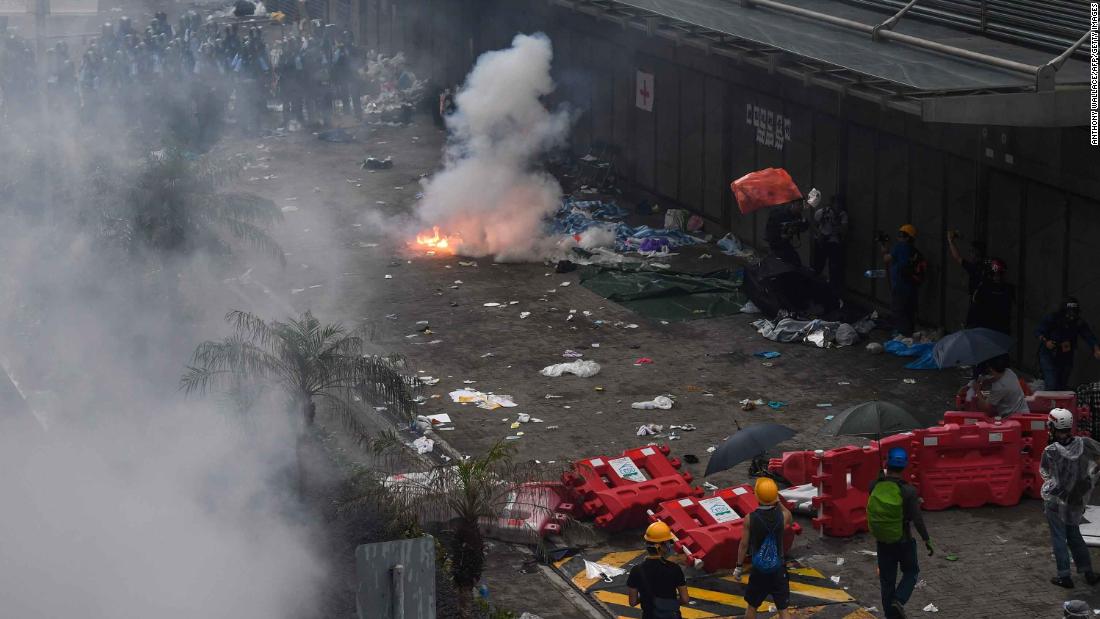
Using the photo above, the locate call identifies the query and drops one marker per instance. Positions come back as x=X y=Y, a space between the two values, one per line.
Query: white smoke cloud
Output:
x=488 y=192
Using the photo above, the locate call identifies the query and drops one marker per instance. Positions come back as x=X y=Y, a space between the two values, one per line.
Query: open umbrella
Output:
x=875 y=419
x=970 y=347
x=747 y=444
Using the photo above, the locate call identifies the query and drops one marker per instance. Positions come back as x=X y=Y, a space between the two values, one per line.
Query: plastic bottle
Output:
x=875 y=273
x=483 y=591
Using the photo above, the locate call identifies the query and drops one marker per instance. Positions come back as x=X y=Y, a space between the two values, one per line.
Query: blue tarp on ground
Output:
x=923 y=353
x=576 y=216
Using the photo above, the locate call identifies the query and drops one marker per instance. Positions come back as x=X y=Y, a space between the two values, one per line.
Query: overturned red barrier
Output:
x=843 y=483
x=534 y=510
x=796 y=467
x=708 y=530
x=616 y=492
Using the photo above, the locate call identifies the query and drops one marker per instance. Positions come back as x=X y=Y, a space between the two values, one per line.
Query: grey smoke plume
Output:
x=488 y=192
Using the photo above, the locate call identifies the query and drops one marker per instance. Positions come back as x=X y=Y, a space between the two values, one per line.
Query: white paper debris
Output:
x=931 y=608
x=580 y=367
x=662 y=402
x=423 y=445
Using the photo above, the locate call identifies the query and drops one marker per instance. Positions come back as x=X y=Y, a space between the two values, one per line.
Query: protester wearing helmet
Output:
x=1069 y=468
x=657 y=583
x=762 y=540
x=1058 y=334
x=907 y=271
x=891 y=506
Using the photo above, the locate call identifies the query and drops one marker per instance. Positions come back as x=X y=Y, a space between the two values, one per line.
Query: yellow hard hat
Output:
x=766 y=491
x=909 y=229
x=658 y=532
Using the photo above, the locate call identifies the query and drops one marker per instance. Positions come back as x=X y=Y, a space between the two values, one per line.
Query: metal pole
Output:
x=398 y=589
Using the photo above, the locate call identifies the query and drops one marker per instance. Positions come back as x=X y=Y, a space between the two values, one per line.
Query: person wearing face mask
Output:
x=657 y=583
x=1058 y=334
x=1069 y=468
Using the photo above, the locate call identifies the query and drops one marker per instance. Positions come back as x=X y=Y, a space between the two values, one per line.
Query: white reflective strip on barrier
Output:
x=995 y=437
x=648 y=451
x=686 y=502
x=931 y=441
x=739 y=491
x=596 y=462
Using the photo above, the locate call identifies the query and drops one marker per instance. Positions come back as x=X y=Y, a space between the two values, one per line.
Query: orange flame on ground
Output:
x=437 y=242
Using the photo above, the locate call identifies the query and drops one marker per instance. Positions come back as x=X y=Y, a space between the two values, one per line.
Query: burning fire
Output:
x=436 y=242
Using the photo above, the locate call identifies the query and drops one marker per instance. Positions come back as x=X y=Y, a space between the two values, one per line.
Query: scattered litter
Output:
x=711 y=449
x=835 y=579
x=490 y=304
x=594 y=345
x=428 y=380
x=630 y=326
x=289 y=209
x=423 y=445
x=750 y=308
x=709 y=487
x=662 y=402
x=931 y=608
x=776 y=404
x=389 y=277
x=524 y=314
x=551 y=396
x=523 y=418
x=687 y=427
x=839 y=561
x=649 y=429
x=767 y=354
x=487 y=401
x=470 y=263
x=869 y=553
x=572 y=354
x=825 y=405
x=829 y=417
x=844 y=382
x=439 y=418
x=603 y=571
x=952 y=557
x=515 y=424
x=371 y=163
x=487 y=355
x=768 y=364
x=367 y=245
x=580 y=367
x=909 y=381
x=564 y=284
x=643 y=361
x=874 y=348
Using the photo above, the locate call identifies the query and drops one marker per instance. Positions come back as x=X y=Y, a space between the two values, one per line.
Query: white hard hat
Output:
x=1060 y=419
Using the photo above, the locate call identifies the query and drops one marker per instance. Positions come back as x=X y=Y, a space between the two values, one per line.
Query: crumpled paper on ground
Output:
x=580 y=367
x=423 y=445
x=488 y=401
x=601 y=570
x=662 y=402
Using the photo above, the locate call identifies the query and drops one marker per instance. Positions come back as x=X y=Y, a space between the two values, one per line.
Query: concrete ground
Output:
x=342 y=233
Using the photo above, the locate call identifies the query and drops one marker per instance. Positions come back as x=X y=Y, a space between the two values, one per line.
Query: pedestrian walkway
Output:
x=713 y=595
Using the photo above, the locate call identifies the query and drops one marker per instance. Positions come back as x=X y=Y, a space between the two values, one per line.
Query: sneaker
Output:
x=1092 y=578
x=899 y=610
x=1062 y=581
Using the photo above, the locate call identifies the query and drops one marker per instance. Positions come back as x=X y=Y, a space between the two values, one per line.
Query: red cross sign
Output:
x=644 y=96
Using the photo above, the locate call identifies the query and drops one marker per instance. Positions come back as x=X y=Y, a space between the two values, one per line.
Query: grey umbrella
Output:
x=874 y=419
x=747 y=444
x=970 y=347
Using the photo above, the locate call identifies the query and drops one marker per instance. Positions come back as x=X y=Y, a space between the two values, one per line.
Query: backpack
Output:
x=767 y=559
x=917 y=269
x=885 y=511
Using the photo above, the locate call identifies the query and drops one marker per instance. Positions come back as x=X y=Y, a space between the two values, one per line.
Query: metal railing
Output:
x=1049 y=24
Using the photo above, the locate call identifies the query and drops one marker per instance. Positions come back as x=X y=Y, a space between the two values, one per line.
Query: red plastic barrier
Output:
x=796 y=467
x=617 y=491
x=842 y=504
x=534 y=510
x=708 y=530
x=968 y=465
x=1035 y=436
x=1043 y=401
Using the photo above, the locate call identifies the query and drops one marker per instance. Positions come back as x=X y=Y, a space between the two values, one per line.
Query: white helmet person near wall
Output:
x=1060 y=419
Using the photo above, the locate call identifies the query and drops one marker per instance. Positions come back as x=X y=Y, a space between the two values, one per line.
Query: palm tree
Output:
x=308 y=361
x=176 y=205
x=465 y=495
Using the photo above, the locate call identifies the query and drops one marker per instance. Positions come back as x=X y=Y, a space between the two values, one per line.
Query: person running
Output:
x=763 y=541
x=1069 y=470
x=891 y=506
x=657 y=583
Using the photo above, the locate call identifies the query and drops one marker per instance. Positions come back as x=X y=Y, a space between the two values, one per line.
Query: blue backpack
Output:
x=767 y=559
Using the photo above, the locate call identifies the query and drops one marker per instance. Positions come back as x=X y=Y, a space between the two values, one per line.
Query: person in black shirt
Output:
x=784 y=224
x=770 y=519
x=657 y=583
x=902 y=553
x=992 y=300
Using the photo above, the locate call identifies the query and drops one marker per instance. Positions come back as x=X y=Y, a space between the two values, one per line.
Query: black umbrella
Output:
x=970 y=347
x=747 y=444
x=875 y=418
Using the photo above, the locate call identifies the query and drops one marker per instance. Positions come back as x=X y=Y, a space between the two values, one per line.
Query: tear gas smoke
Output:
x=489 y=193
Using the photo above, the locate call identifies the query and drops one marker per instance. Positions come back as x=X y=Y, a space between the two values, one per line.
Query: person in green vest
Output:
x=891 y=507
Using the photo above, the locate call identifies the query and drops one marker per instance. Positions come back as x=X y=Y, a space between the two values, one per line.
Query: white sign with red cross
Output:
x=644 y=94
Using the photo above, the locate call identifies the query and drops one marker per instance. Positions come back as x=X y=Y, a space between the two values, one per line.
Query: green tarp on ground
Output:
x=665 y=295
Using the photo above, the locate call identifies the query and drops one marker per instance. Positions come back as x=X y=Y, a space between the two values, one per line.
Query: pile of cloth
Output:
x=820 y=333
x=576 y=217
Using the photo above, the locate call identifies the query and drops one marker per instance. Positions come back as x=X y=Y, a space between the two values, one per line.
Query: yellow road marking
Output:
x=806 y=571
x=614 y=559
x=824 y=593
x=617 y=598
x=859 y=614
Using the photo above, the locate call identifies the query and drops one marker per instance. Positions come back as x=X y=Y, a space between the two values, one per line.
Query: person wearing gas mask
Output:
x=1069 y=468
x=1058 y=334
x=992 y=300
x=657 y=583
